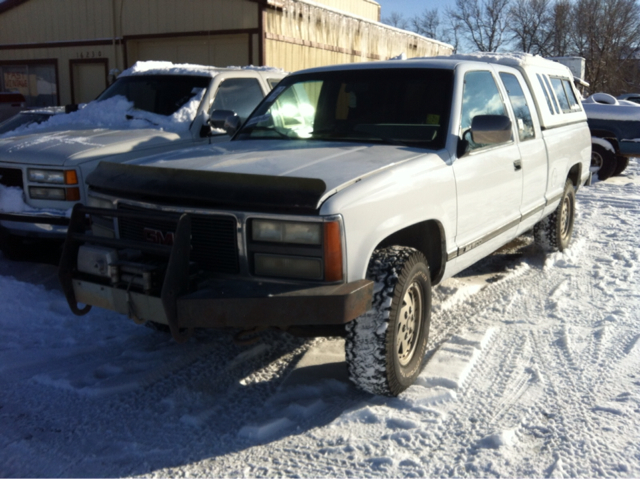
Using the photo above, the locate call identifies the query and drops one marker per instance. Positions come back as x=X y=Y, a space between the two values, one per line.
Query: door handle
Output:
x=517 y=165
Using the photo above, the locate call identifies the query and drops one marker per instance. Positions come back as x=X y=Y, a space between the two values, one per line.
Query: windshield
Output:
x=22 y=119
x=397 y=105
x=161 y=94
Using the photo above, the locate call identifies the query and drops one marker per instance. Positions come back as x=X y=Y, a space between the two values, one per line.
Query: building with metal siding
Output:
x=62 y=51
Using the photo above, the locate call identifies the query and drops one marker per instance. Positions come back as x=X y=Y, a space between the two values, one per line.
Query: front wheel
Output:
x=554 y=232
x=385 y=347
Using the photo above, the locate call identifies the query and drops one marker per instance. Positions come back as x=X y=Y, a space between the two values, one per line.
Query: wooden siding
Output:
x=215 y=50
x=304 y=36
x=145 y=17
x=363 y=8
x=44 y=21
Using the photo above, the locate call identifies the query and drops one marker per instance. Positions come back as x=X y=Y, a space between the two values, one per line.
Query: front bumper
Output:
x=220 y=303
x=35 y=224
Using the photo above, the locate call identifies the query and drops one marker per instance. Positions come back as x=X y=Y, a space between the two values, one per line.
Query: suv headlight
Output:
x=53 y=177
x=287 y=232
x=57 y=177
x=297 y=250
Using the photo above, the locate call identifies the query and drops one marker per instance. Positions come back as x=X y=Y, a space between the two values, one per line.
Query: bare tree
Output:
x=530 y=25
x=397 y=20
x=427 y=24
x=607 y=34
x=483 y=22
x=561 y=29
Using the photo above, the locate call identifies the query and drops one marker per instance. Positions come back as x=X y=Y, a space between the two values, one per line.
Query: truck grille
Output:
x=10 y=177
x=214 y=244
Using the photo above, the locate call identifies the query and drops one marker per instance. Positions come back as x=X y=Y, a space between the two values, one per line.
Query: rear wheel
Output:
x=603 y=161
x=385 y=347
x=554 y=232
x=621 y=164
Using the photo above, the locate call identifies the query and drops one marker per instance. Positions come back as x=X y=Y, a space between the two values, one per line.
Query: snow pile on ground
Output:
x=533 y=370
x=12 y=200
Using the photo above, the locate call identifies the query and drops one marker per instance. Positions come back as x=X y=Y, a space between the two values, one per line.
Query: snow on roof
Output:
x=169 y=68
x=515 y=59
x=617 y=110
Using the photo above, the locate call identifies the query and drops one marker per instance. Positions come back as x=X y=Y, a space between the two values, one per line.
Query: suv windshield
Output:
x=161 y=94
x=396 y=105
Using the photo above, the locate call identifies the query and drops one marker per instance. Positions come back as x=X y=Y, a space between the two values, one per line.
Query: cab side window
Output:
x=519 y=105
x=480 y=97
x=241 y=95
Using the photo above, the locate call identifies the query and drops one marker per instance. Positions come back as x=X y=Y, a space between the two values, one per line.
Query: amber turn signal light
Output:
x=70 y=177
x=73 y=194
x=332 y=252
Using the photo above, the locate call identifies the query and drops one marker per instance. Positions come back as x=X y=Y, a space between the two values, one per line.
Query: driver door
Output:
x=488 y=177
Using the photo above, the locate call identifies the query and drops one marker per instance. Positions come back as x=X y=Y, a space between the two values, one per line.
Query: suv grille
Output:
x=10 y=177
x=214 y=244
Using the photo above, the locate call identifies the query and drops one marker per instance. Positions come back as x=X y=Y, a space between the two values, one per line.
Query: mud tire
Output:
x=603 y=162
x=385 y=347
x=621 y=164
x=554 y=232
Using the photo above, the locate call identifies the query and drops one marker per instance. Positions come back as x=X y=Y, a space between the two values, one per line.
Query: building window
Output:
x=36 y=82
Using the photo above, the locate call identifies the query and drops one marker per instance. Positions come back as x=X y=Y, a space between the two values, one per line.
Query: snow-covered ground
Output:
x=533 y=371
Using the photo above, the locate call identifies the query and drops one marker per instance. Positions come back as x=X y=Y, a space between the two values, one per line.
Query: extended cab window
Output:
x=395 y=106
x=575 y=104
x=519 y=105
x=481 y=97
x=546 y=94
x=238 y=94
x=561 y=94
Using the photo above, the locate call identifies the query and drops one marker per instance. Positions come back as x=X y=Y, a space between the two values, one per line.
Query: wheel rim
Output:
x=409 y=323
x=565 y=218
x=596 y=161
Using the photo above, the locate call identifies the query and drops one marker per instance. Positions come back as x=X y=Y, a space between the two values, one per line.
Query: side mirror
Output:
x=462 y=147
x=490 y=129
x=226 y=120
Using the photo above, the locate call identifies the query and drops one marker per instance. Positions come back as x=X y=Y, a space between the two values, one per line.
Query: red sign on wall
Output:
x=15 y=80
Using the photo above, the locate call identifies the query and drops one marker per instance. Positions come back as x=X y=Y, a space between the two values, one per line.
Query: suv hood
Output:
x=337 y=164
x=74 y=147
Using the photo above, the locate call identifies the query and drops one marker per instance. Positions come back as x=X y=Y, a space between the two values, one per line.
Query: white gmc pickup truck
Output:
x=348 y=192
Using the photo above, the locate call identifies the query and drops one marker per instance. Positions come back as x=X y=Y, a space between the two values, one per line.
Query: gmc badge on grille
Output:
x=158 y=237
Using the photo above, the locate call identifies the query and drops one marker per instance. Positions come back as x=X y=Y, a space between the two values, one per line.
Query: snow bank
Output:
x=169 y=68
x=12 y=200
x=515 y=59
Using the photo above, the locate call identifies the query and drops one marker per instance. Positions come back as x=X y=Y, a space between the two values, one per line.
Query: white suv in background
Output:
x=152 y=107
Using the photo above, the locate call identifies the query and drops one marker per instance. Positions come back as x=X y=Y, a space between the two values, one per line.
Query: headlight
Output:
x=287 y=232
x=288 y=266
x=95 y=202
x=58 y=194
x=58 y=177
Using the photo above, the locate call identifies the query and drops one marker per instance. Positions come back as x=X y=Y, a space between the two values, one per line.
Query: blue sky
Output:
x=411 y=8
